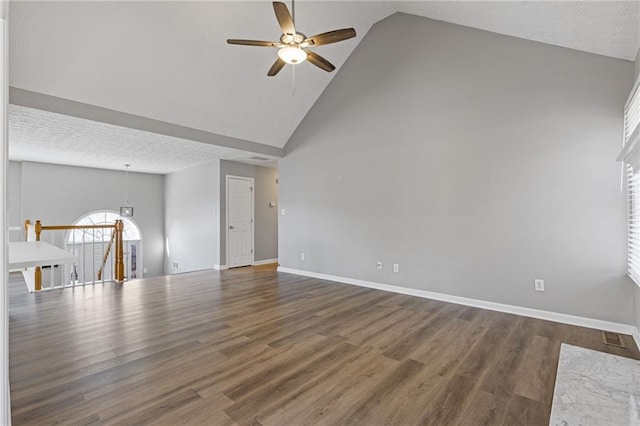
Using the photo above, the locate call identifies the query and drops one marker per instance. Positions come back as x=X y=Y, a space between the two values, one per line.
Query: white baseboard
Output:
x=256 y=263
x=493 y=306
x=265 y=262
x=636 y=336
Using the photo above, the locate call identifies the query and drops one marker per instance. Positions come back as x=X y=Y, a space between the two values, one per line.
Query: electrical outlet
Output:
x=379 y=265
x=396 y=267
x=144 y=270
x=538 y=285
x=301 y=256
x=283 y=212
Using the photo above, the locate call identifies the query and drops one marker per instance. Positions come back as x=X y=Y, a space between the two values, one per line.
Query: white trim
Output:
x=500 y=307
x=5 y=394
x=253 y=215
x=265 y=262
x=220 y=267
x=636 y=336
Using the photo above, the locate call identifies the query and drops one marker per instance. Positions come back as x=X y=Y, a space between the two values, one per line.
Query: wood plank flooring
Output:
x=251 y=346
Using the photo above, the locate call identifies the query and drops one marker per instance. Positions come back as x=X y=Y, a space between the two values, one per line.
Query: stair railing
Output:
x=33 y=232
x=106 y=256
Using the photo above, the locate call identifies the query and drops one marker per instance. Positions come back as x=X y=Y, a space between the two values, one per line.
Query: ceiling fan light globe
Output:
x=292 y=55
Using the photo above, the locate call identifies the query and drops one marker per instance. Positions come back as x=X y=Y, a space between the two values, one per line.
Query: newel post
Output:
x=119 y=251
x=38 y=230
x=38 y=274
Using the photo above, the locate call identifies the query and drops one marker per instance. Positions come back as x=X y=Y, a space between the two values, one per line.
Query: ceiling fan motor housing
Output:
x=296 y=38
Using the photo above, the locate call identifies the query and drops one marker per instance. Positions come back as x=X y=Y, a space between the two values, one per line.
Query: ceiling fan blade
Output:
x=276 y=67
x=254 y=43
x=331 y=37
x=319 y=61
x=284 y=17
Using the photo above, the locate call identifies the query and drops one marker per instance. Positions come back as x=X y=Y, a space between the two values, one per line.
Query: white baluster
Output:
x=84 y=256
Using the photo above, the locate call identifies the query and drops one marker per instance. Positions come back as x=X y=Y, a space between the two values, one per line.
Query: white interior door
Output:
x=239 y=221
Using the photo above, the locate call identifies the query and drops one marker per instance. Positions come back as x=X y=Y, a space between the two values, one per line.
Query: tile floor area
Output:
x=595 y=388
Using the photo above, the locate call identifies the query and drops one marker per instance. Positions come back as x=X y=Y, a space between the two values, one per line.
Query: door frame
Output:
x=253 y=216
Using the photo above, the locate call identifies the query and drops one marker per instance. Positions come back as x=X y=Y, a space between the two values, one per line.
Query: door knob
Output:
x=230 y=226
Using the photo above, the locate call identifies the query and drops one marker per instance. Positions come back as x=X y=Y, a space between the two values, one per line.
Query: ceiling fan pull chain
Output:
x=293 y=80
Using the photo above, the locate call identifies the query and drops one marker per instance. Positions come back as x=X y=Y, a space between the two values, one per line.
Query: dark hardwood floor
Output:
x=253 y=346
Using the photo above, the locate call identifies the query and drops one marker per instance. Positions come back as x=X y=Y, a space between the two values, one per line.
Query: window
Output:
x=632 y=115
x=630 y=157
x=633 y=194
x=91 y=246
x=130 y=232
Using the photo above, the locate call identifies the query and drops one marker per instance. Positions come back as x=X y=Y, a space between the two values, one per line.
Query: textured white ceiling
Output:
x=610 y=28
x=41 y=136
x=169 y=61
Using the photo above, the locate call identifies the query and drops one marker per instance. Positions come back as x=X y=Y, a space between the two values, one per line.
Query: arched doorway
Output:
x=91 y=246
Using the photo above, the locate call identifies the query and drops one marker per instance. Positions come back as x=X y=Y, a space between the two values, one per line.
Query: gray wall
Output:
x=476 y=161
x=59 y=195
x=266 y=218
x=14 y=199
x=637 y=64
x=191 y=202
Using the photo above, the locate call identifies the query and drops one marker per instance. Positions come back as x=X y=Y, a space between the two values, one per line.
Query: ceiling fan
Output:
x=293 y=47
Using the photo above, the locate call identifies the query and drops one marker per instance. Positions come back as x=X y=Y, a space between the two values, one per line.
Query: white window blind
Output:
x=631 y=144
x=632 y=114
x=633 y=193
x=631 y=156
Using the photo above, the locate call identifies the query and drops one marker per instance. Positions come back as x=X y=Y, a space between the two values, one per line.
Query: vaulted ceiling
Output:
x=169 y=61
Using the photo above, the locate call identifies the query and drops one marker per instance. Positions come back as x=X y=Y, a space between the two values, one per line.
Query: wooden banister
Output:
x=106 y=256
x=116 y=237
x=67 y=227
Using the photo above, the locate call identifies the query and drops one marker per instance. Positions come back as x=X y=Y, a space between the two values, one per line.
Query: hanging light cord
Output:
x=126 y=184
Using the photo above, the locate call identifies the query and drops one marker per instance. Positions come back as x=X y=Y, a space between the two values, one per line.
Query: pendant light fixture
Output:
x=127 y=209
